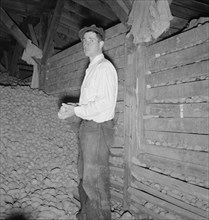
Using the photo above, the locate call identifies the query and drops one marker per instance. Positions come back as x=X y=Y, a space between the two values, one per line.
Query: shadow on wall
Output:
x=17 y=216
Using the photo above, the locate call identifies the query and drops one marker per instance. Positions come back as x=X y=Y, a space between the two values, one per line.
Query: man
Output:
x=96 y=107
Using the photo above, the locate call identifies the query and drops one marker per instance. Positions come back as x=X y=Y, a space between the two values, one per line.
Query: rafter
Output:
x=98 y=7
x=52 y=29
x=119 y=11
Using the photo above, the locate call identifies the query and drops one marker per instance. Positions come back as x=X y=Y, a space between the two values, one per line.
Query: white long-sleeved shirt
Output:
x=98 y=91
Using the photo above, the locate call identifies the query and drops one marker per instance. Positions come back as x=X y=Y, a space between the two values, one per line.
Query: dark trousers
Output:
x=95 y=140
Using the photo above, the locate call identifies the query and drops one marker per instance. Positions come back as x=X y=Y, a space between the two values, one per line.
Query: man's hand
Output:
x=66 y=111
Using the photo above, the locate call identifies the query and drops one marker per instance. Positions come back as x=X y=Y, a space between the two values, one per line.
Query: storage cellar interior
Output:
x=159 y=161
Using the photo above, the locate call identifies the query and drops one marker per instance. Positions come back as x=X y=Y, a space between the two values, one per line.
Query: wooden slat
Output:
x=2 y=68
x=116 y=196
x=117 y=172
x=98 y=7
x=165 y=205
x=178 y=139
x=33 y=34
x=109 y=33
x=180 y=41
x=114 y=42
x=193 y=89
x=13 y=28
x=121 y=12
x=171 y=165
x=182 y=57
x=178 y=110
x=193 y=157
x=139 y=209
x=172 y=183
x=52 y=29
x=78 y=55
x=118 y=142
x=179 y=74
x=169 y=199
x=185 y=125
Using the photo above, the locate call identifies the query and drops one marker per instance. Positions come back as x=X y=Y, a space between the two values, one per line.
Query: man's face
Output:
x=92 y=46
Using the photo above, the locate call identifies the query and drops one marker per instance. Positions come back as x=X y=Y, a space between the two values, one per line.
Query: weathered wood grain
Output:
x=187 y=156
x=180 y=41
x=187 y=56
x=179 y=74
x=172 y=183
x=164 y=204
x=179 y=110
x=185 y=125
x=169 y=199
x=184 y=90
x=179 y=167
x=178 y=139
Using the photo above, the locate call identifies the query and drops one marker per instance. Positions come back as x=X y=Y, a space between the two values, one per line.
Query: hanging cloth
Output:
x=31 y=51
x=149 y=19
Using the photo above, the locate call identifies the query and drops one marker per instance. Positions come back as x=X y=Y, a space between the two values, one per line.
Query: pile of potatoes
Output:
x=38 y=156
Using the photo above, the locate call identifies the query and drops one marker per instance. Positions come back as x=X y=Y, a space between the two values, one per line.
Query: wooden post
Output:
x=49 y=40
x=129 y=115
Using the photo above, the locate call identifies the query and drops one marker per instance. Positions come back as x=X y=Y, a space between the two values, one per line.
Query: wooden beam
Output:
x=2 y=68
x=184 y=125
x=13 y=28
x=33 y=34
x=118 y=10
x=52 y=29
x=172 y=183
x=98 y=7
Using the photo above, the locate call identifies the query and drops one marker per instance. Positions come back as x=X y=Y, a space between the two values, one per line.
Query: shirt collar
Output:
x=96 y=59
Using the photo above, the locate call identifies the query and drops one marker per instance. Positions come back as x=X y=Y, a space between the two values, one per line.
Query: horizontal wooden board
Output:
x=187 y=156
x=179 y=74
x=119 y=107
x=178 y=139
x=179 y=41
x=164 y=204
x=178 y=110
x=116 y=195
x=182 y=57
x=71 y=50
x=117 y=171
x=115 y=52
x=138 y=209
x=114 y=42
x=67 y=60
x=180 y=167
x=118 y=141
x=170 y=182
x=109 y=33
x=185 y=125
x=67 y=69
x=169 y=199
x=116 y=185
x=117 y=152
x=115 y=30
x=112 y=54
x=184 y=90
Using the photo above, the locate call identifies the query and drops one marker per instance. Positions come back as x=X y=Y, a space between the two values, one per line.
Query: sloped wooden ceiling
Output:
x=34 y=17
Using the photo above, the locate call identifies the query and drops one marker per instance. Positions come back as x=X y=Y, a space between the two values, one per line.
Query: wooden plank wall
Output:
x=64 y=75
x=170 y=170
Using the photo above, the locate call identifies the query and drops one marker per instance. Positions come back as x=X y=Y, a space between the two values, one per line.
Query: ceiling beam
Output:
x=52 y=30
x=67 y=31
x=13 y=28
x=118 y=10
x=98 y=7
